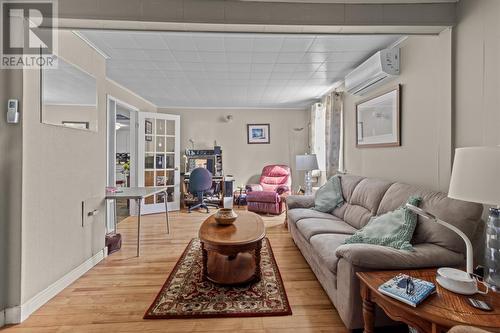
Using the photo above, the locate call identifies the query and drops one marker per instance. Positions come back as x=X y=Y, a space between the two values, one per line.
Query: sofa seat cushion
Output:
x=325 y=246
x=297 y=214
x=314 y=226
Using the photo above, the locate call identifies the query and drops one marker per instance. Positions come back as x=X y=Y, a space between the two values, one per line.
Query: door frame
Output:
x=111 y=147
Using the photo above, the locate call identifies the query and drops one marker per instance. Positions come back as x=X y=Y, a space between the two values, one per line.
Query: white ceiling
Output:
x=188 y=69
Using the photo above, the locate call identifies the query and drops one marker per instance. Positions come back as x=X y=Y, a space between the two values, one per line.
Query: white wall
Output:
x=477 y=73
x=56 y=114
x=61 y=168
x=245 y=161
x=425 y=155
x=11 y=142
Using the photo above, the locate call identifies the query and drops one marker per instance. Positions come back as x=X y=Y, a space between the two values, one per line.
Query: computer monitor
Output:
x=201 y=162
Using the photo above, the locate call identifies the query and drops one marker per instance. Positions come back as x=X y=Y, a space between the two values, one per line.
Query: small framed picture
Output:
x=148 y=126
x=378 y=120
x=258 y=134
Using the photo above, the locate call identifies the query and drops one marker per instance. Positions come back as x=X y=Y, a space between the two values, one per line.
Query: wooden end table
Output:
x=438 y=313
x=283 y=200
x=231 y=253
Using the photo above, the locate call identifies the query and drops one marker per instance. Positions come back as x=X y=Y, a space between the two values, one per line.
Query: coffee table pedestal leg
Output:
x=258 y=272
x=204 y=271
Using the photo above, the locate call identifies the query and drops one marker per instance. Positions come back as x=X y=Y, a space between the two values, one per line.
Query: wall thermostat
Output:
x=12 y=111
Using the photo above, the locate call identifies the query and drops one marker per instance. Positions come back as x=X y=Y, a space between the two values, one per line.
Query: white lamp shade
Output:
x=476 y=175
x=306 y=162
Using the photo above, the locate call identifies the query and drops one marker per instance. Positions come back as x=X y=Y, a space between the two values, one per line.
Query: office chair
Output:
x=200 y=182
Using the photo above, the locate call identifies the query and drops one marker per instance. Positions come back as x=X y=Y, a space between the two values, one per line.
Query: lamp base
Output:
x=492 y=250
x=455 y=280
x=308 y=183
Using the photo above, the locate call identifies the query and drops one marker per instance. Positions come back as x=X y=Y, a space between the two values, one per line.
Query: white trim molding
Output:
x=18 y=314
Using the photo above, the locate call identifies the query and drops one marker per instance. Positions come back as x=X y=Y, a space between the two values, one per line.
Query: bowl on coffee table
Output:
x=225 y=216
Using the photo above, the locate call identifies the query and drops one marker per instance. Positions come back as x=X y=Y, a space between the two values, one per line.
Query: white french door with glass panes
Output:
x=159 y=159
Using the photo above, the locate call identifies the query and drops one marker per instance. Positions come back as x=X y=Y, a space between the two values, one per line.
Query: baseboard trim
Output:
x=20 y=313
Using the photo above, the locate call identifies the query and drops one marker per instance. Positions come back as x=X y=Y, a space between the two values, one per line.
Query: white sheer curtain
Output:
x=326 y=135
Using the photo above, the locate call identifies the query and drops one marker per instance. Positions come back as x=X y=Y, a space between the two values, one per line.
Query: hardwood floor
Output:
x=113 y=296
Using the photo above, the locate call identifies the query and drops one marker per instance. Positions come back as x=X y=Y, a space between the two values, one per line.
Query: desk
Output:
x=138 y=194
x=220 y=180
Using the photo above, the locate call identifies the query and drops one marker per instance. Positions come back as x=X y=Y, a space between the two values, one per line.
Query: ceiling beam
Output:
x=214 y=13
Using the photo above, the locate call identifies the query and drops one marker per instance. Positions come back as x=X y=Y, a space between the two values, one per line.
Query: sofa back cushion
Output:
x=348 y=184
x=364 y=201
x=464 y=215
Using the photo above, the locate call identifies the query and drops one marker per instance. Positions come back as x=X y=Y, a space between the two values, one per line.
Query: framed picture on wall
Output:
x=148 y=127
x=378 y=120
x=258 y=134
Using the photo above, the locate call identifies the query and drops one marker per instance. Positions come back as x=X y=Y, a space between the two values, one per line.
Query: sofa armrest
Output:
x=300 y=201
x=381 y=257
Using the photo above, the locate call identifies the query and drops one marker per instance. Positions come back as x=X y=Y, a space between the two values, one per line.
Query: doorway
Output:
x=121 y=157
x=143 y=150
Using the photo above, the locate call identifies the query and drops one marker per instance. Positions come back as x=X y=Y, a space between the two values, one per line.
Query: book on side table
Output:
x=406 y=289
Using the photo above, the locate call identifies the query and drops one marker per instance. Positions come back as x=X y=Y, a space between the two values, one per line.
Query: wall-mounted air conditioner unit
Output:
x=373 y=72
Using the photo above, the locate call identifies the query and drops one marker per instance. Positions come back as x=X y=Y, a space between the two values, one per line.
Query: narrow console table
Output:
x=138 y=194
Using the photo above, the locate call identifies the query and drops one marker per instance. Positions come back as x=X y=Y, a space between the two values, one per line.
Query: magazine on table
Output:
x=408 y=290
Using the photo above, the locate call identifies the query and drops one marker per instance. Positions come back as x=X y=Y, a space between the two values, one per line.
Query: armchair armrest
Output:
x=282 y=189
x=253 y=187
x=300 y=201
x=381 y=257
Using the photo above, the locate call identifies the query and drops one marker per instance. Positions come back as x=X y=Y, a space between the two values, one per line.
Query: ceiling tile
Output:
x=209 y=43
x=238 y=44
x=290 y=57
x=177 y=42
x=239 y=57
x=150 y=41
x=186 y=56
x=293 y=44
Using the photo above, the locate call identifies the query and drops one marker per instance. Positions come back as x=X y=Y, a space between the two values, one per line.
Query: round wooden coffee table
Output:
x=231 y=253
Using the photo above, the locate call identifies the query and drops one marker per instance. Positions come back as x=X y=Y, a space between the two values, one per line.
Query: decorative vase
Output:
x=492 y=251
x=225 y=216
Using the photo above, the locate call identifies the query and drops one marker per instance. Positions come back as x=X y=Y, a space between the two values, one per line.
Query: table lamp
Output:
x=307 y=163
x=476 y=178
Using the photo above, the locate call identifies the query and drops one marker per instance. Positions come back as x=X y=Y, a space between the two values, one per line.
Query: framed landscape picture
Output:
x=378 y=120
x=258 y=133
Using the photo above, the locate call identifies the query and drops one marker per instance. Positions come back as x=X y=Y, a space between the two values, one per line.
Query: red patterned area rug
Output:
x=185 y=295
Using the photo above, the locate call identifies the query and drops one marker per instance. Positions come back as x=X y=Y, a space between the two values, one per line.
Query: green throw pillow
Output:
x=394 y=229
x=329 y=196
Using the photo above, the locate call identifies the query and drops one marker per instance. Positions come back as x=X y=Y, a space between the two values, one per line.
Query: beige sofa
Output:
x=320 y=238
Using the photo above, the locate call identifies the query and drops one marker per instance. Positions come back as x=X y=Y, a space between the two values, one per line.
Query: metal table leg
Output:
x=116 y=217
x=139 y=202
x=166 y=211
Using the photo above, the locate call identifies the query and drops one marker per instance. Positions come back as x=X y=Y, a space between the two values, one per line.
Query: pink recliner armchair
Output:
x=265 y=197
